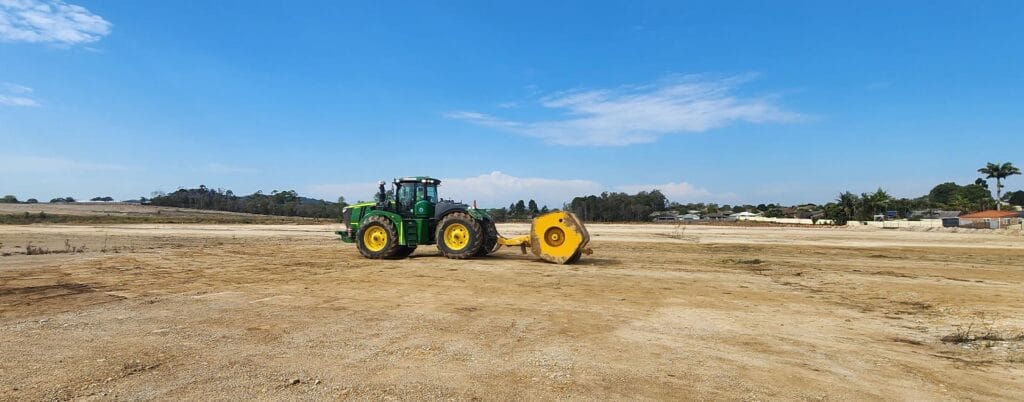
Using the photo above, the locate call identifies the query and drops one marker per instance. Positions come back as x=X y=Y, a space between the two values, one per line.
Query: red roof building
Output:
x=990 y=219
x=992 y=214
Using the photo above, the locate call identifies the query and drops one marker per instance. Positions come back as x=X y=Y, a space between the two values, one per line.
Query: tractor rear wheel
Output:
x=490 y=241
x=378 y=238
x=459 y=235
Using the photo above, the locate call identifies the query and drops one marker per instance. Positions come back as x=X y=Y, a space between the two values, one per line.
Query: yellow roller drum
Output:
x=558 y=237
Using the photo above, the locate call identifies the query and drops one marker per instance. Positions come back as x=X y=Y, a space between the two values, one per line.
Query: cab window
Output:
x=432 y=193
x=406 y=197
x=420 y=192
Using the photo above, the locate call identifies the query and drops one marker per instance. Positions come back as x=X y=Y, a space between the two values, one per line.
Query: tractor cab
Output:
x=416 y=197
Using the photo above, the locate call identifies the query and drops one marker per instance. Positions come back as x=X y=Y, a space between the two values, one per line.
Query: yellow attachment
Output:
x=456 y=236
x=375 y=238
x=557 y=237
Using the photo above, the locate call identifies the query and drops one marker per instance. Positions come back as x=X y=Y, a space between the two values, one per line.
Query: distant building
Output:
x=990 y=219
x=689 y=217
x=743 y=214
x=719 y=216
x=934 y=214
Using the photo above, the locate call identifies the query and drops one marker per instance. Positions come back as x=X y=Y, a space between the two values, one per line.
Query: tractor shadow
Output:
x=522 y=258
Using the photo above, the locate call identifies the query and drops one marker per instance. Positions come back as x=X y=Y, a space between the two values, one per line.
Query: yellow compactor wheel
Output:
x=558 y=237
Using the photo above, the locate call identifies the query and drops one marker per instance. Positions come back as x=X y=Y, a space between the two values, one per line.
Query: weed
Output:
x=68 y=248
x=964 y=334
x=960 y=335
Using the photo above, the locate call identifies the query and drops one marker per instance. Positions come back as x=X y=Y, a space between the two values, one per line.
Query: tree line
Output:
x=518 y=210
x=946 y=196
x=280 y=203
x=613 y=206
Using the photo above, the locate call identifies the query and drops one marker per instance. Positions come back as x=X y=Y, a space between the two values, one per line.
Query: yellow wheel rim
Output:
x=554 y=236
x=375 y=238
x=456 y=236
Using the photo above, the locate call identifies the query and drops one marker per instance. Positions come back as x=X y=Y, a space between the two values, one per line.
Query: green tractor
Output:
x=413 y=214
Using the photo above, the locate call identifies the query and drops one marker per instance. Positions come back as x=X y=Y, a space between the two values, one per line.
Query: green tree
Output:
x=975 y=198
x=9 y=199
x=847 y=203
x=837 y=214
x=1015 y=197
x=999 y=171
x=943 y=193
x=519 y=210
x=959 y=202
x=877 y=202
x=532 y=208
x=31 y=201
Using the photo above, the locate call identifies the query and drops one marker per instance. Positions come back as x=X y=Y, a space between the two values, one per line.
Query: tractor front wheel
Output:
x=377 y=238
x=459 y=235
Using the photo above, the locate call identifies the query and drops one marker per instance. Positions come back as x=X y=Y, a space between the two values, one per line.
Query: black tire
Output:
x=404 y=251
x=474 y=235
x=391 y=246
x=490 y=239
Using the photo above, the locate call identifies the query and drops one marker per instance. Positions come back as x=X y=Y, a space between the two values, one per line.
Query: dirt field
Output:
x=658 y=312
x=123 y=213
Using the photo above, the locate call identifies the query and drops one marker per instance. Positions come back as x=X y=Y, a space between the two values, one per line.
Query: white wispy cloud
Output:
x=640 y=114
x=49 y=21
x=15 y=88
x=15 y=95
x=490 y=189
x=46 y=164
x=496 y=189
x=6 y=100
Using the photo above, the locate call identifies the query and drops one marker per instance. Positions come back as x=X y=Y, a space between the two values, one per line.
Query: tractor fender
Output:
x=395 y=218
x=477 y=214
x=445 y=207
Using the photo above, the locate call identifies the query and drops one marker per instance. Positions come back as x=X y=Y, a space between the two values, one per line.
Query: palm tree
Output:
x=848 y=203
x=999 y=172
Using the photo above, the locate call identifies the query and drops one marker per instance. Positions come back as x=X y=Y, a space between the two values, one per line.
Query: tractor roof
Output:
x=417 y=179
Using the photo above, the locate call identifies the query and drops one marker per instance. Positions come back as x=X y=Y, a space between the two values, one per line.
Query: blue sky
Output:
x=729 y=102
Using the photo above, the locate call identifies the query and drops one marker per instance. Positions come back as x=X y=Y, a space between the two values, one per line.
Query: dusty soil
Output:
x=117 y=213
x=105 y=208
x=658 y=312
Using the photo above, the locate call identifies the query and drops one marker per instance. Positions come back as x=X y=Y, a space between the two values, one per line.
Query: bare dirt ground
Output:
x=104 y=208
x=658 y=312
x=123 y=213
